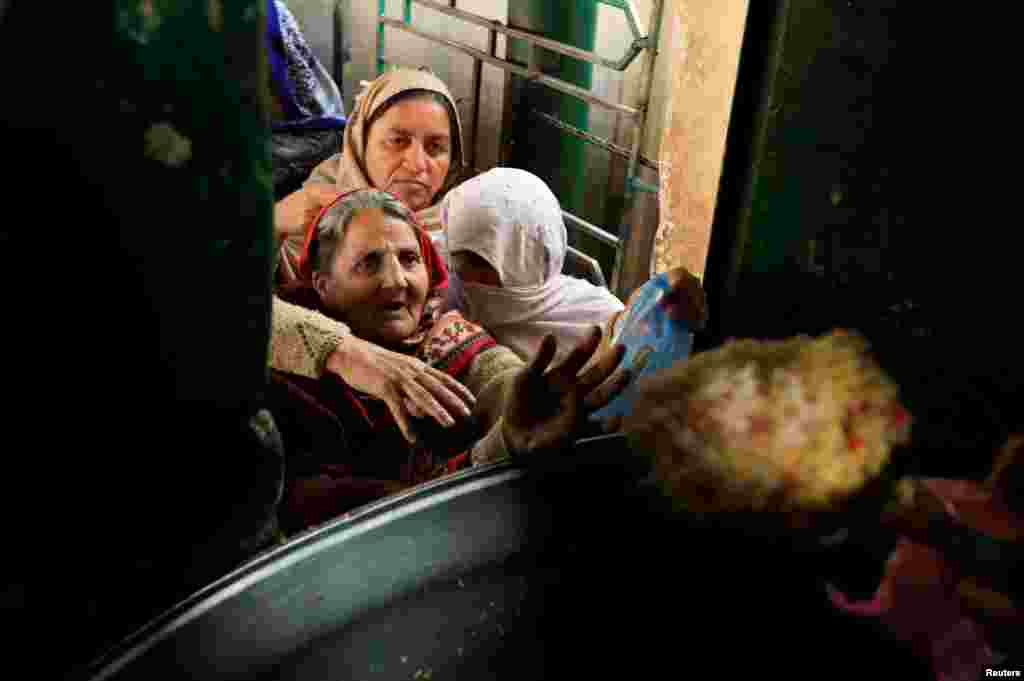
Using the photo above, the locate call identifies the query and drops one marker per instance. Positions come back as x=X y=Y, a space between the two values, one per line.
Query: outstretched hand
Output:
x=548 y=409
x=685 y=300
x=411 y=388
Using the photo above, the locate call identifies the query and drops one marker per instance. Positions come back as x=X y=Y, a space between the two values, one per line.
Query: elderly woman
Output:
x=367 y=262
x=404 y=136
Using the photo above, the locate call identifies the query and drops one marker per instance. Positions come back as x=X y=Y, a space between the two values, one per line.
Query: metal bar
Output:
x=526 y=36
x=478 y=68
x=553 y=83
x=633 y=17
x=591 y=262
x=592 y=230
x=382 y=11
x=640 y=186
x=760 y=55
x=493 y=40
x=618 y=285
x=534 y=62
x=645 y=99
x=635 y=49
x=590 y=137
x=338 y=43
x=475 y=125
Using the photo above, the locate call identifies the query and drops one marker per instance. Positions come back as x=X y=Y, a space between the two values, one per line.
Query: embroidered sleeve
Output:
x=301 y=339
x=454 y=344
x=497 y=364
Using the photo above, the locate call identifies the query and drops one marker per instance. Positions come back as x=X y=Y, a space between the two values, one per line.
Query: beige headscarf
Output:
x=511 y=219
x=347 y=169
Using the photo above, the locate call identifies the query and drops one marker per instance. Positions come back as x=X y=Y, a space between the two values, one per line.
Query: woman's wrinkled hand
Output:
x=410 y=387
x=547 y=409
x=685 y=300
x=295 y=211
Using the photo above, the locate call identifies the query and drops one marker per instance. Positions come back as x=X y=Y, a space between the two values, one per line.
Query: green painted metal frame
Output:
x=633 y=184
x=573 y=24
x=382 y=11
x=577 y=110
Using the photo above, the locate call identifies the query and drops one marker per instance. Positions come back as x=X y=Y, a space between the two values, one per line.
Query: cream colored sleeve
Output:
x=301 y=340
x=491 y=448
x=490 y=379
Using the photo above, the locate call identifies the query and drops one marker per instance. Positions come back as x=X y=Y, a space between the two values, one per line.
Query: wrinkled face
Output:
x=473 y=269
x=408 y=151
x=378 y=281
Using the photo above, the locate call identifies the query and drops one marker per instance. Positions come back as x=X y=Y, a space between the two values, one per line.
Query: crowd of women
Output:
x=421 y=324
x=405 y=297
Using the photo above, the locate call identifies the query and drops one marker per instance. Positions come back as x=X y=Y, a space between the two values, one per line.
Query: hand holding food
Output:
x=797 y=426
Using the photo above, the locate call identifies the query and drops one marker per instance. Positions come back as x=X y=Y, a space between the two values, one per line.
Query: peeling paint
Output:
x=702 y=77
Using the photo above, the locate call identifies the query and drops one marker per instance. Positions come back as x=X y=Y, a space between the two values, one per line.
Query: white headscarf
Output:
x=511 y=219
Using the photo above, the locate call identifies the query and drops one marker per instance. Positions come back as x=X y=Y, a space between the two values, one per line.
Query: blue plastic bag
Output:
x=647 y=328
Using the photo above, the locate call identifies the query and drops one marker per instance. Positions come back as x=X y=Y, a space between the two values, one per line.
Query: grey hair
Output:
x=330 y=232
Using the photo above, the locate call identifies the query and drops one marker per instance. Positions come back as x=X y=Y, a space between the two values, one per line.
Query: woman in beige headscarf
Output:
x=404 y=136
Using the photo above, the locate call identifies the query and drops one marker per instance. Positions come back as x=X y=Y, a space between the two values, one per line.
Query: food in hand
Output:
x=796 y=425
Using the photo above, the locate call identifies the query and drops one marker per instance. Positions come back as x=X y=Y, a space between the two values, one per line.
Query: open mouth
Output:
x=393 y=307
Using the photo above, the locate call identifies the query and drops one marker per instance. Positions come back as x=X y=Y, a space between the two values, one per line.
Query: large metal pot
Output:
x=501 y=573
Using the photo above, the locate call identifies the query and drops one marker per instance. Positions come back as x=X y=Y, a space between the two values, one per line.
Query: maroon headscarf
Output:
x=303 y=293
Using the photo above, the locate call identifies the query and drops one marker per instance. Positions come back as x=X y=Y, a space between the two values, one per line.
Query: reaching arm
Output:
x=301 y=340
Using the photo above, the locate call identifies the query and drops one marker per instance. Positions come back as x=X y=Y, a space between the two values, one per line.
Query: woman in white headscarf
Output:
x=508 y=242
